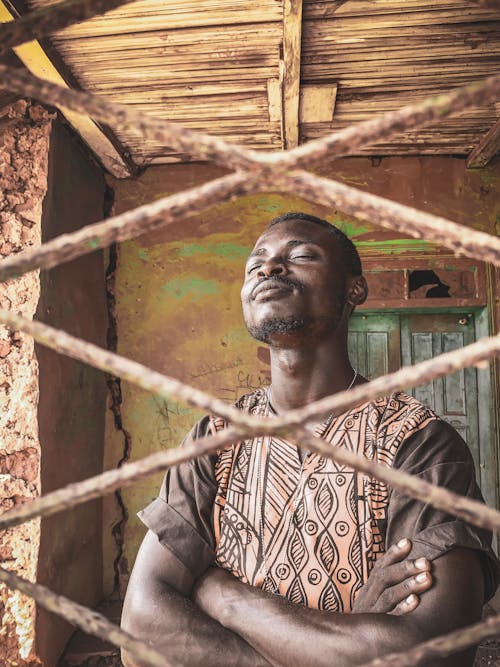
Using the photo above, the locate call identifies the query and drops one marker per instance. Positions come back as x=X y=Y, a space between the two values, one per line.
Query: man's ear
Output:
x=357 y=291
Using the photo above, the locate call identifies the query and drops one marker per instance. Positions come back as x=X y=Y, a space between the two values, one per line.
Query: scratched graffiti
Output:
x=208 y=369
x=243 y=383
x=166 y=431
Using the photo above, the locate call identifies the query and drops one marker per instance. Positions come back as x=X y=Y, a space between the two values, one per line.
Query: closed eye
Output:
x=303 y=256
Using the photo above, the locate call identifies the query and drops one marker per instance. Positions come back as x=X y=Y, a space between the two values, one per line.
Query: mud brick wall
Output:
x=24 y=141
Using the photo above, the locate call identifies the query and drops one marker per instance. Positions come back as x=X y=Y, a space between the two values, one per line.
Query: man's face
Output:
x=295 y=283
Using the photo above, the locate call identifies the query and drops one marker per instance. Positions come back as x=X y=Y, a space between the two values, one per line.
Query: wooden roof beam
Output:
x=36 y=60
x=292 y=41
x=487 y=148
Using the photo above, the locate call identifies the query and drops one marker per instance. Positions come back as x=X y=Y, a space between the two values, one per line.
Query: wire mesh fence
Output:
x=253 y=172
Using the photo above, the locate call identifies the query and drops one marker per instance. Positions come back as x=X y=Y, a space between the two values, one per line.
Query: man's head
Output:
x=302 y=280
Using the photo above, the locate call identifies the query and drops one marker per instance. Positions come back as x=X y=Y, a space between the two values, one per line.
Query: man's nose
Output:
x=271 y=267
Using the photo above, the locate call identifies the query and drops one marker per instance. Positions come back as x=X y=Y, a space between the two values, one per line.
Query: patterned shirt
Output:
x=309 y=528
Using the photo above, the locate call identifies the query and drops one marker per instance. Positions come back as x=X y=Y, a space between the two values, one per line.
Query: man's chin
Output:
x=277 y=328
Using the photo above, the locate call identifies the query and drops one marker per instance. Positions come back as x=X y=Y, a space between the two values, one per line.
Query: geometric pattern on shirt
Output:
x=321 y=521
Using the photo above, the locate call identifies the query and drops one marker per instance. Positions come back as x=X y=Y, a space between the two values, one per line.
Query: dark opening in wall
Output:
x=422 y=279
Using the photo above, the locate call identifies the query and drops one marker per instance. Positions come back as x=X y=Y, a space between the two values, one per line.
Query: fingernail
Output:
x=403 y=543
x=420 y=563
x=410 y=599
x=421 y=577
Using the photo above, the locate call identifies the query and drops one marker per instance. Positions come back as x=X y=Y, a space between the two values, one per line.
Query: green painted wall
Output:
x=177 y=293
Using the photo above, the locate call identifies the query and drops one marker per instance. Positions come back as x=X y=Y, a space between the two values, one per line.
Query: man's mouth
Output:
x=270 y=288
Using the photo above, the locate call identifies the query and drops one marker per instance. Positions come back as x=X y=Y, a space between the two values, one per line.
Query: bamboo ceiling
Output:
x=213 y=65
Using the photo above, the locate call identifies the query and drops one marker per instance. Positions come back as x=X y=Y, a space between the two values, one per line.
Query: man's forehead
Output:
x=294 y=232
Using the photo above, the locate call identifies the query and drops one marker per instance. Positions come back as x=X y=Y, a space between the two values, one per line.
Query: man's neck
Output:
x=303 y=374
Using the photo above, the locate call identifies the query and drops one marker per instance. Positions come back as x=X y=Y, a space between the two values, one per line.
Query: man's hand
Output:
x=395 y=583
x=393 y=587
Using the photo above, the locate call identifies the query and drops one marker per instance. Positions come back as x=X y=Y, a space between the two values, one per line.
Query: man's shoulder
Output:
x=400 y=418
x=413 y=430
x=404 y=407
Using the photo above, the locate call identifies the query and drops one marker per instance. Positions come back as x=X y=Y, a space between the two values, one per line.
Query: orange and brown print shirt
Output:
x=305 y=527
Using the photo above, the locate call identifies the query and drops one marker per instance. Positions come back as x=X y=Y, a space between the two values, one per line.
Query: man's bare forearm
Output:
x=158 y=610
x=289 y=634
x=186 y=636
x=293 y=635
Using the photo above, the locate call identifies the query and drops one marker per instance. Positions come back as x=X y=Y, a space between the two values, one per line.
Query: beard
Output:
x=297 y=328
x=276 y=325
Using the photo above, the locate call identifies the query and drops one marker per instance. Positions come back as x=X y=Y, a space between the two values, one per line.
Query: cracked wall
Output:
x=24 y=141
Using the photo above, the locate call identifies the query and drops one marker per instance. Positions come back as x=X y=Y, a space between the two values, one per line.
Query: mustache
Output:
x=279 y=280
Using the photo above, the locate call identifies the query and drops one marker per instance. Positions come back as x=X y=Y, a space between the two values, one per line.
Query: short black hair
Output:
x=351 y=255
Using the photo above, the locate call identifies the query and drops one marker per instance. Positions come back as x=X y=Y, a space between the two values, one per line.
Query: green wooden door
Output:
x=381 y=343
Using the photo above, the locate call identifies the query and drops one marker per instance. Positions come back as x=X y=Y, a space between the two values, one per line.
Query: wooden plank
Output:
x=317 y=103
x=229 y=42
x=36 y=60
x=292 y=42
x=148 y=16
x=274 y=96
x=373 y=8
x=487 y=148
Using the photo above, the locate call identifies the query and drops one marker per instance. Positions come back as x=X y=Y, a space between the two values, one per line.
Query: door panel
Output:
x=374 y=344
x=453 y=397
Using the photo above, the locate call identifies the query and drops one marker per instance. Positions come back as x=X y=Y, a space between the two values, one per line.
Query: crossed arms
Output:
x=218 y=620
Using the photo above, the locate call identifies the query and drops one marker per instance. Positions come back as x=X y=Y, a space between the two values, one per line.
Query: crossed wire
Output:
x=253 y=172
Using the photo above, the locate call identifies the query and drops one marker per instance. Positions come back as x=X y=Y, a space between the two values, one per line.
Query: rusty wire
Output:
x=255 y=172
x=52 y=18
x=86 y=619
x=263 y=173
x=244 y=426
x=440 y=647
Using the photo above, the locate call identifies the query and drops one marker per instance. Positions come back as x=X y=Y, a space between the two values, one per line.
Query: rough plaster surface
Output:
x=24 y=140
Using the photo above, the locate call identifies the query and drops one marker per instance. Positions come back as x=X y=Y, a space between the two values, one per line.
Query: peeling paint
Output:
x=190 y=288
x=351 y=229
x=393 y=246
x=228 y=251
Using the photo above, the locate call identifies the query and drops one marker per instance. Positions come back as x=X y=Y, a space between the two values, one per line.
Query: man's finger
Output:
x=406 y=606
x=395 y=554
x=400 y=573
x=393 y=597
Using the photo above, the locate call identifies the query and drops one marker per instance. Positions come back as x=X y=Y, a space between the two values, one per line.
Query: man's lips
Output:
x=271 y=288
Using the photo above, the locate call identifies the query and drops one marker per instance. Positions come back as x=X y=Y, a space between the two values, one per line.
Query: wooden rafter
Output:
x=292 y=39
x=487 y=148
x=37 y=61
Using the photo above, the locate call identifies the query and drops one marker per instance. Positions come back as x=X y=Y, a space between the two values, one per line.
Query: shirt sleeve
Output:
x=438 y=455
x=182 y=514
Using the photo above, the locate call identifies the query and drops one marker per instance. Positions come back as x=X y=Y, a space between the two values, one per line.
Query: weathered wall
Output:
x=72 y=395
x=24 y=140
x=177 y=295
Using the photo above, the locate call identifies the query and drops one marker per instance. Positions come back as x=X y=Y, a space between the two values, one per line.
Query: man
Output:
x=313 y=562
